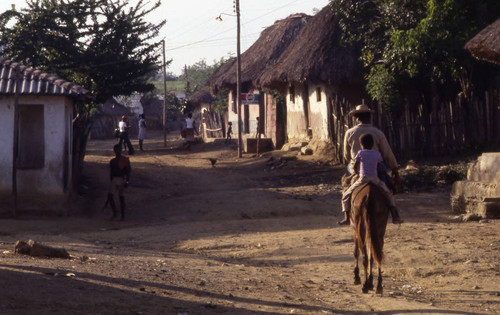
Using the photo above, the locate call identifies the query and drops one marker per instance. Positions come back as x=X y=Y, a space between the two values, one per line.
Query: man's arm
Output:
x=386 y=151
x=347 y=148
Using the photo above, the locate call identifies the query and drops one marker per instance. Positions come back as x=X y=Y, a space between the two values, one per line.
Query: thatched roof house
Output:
x=210 y=122
x=316 y=55
x=272 y=42
x=322 y=79
x=202 y=96
x=486 y=44
x=107 y=120
x=113 y=108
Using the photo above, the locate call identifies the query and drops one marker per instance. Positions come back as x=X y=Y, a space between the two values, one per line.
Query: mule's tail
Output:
x=373 y=241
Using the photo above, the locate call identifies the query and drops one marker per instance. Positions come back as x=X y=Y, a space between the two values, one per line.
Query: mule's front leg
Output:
x=379 y=281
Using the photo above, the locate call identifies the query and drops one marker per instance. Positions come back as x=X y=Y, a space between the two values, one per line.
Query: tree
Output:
x=414 y=41
x=370 y=24
x=104 y=45
x=198 y=74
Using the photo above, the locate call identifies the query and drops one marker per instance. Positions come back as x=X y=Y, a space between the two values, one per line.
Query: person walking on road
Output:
x=190 y=130
x=119 y=176
x=142 y=131
x=124 y=139
x=229 y=132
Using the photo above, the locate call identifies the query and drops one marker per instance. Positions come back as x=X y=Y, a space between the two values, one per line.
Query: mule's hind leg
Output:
x=357 y=279
x=369 y=281
x=365 y=265
x=379 y=281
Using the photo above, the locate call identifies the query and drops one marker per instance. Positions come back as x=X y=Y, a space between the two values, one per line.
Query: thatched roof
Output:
x=112 y=108
x=152 y=105
x=316 y=55
x=202 y=96
x=272 y=42
x=486 y=44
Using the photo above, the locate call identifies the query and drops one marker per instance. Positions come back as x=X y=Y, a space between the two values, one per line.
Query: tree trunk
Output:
x=81 y=131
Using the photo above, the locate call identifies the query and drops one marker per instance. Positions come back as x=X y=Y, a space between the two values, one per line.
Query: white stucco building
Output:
x=36 y=160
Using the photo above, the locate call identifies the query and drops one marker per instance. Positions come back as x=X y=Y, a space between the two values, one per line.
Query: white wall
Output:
x=317 y=121
x=48 y=180
x=6 y=143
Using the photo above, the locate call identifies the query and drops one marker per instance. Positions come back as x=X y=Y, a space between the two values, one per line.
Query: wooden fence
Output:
x=445 y=129
x=213 y=124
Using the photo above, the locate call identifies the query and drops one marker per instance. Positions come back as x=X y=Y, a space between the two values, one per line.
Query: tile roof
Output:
x=37 y=82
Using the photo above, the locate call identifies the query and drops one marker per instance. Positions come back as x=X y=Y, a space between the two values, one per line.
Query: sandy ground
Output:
x=248 y=236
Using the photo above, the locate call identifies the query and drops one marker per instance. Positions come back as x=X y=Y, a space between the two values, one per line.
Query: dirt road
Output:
x=247 y=236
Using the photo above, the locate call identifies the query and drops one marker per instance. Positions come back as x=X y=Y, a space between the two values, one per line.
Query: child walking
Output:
x=367 y=161
x=229 y=132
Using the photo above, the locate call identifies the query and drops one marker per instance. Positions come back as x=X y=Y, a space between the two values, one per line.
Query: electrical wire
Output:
x=232 y=29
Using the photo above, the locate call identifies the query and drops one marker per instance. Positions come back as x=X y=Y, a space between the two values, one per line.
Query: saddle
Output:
x=349 y=179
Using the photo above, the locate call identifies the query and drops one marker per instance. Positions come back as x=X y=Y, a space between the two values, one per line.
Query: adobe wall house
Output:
x=272 y=42
x=321 y=79
x=44 y=156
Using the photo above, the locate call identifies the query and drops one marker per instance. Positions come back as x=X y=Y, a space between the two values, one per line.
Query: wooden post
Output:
x=15 y=147
x=164 y=97
x=238 y=77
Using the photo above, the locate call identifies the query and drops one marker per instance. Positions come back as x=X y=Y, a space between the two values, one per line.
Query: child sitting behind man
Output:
x=367 y=161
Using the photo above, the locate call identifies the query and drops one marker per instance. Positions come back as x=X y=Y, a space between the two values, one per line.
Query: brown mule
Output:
x=369 y=213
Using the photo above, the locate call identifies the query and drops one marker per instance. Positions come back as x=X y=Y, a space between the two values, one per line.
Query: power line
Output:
x=207 y=39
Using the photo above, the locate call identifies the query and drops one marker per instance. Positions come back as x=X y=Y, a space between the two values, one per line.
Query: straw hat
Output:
x=361 y=109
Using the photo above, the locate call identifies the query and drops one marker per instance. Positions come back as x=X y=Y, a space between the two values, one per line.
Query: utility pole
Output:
x=238 y=77
x=164 y=97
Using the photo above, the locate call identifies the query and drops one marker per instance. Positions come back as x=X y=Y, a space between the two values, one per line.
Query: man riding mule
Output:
x=352 y=146
x=367 y=161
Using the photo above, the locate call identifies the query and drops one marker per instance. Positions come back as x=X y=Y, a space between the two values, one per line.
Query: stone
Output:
x=479 y=195
x=36 y=249
x=306 y=151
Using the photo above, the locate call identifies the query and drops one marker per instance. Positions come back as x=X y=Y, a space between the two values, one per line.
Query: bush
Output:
x=453 y=172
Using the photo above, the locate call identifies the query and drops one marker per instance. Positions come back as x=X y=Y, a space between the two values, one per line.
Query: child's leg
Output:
x=346 y=196
x=385 y=190
x=394 y=210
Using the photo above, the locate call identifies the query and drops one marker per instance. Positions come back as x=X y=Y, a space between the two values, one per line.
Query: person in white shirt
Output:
x=124 y=139
x=142 y=130
x=190 y=131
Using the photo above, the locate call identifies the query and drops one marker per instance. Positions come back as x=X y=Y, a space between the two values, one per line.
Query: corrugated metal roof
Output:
x=37 y=82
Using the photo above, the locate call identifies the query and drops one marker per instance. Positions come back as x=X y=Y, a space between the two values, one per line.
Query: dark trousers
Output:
x=125 y=140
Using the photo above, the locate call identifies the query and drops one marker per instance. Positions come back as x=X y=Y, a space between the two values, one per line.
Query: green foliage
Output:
x=422 y=179
x=417 y=42
x=198 y=74
x=434 y=47
x=371 y=22
x=429 y=176
x=220 y=103
x=382 y=87
x=176 y=87
x=454 y=172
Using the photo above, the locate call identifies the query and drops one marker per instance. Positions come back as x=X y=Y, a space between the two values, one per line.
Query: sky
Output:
x=191 y=32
